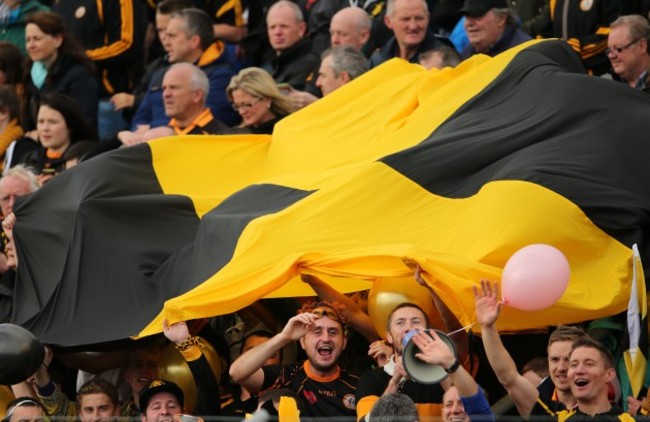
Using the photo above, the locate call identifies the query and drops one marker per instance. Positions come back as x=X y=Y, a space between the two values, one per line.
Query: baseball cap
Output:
x=481 y=7
x=160 y=386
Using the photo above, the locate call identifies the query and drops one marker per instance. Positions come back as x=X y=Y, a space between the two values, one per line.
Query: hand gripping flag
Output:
x=454 y=169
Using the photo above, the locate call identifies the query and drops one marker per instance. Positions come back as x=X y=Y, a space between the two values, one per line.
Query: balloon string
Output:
x=462 y=329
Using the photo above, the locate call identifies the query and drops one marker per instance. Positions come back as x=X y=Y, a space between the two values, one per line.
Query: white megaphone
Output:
x=419 y=370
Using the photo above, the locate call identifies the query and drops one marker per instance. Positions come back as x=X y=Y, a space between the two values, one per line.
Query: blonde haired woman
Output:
x=256 y=97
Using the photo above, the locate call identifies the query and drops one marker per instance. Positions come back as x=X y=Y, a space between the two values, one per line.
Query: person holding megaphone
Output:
x=393 y=377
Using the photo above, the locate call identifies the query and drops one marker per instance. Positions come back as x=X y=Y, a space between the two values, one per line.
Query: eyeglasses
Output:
x=618 y=50
x=248 y=105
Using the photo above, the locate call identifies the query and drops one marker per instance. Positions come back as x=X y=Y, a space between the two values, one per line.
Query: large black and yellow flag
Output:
x=454 y=169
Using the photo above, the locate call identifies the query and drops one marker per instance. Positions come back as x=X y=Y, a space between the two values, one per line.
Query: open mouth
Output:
x=325 y=351
x=144 y=380
x=581 y=382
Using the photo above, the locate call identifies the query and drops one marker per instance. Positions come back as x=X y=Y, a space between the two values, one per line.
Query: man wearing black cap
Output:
x=163 y=399
x=490 y=28
x=159 y=399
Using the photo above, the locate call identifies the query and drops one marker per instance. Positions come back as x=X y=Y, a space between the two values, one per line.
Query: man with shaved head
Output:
x=350 y=27
x=294 y=62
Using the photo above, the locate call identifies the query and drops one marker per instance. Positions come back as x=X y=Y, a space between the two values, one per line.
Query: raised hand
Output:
x=299 y=325
x=418 y=277
x=488 y=304
x=42 y=375
x=176 y=333
x=633 y=405
x=47 y=358
x=380 y=352
x=308 y=278
x=9 y=222
x=433 y=349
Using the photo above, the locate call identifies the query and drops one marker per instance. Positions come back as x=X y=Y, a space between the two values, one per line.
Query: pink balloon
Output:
x=535 y=277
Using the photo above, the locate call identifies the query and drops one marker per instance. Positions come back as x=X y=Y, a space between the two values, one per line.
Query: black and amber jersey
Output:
x=317 y=396
x=556 y=411
x=584 y=24
x=427 y=397
x=228 y=12
x=112 y=33
x=204 y=124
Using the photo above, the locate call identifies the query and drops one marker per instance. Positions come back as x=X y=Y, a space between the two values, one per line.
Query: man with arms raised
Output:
x=324 y=388
x=392 y=378
x=524 y=394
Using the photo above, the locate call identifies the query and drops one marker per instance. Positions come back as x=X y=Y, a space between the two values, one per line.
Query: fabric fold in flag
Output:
x=454 y=169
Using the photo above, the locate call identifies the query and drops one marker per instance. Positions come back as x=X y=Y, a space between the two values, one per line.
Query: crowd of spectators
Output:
x=300 y=369
x=80 y=77
x=111 y=57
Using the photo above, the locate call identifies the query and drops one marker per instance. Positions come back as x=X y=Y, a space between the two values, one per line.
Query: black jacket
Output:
x=296 y=65
x=38 y=160
x=113 y=36
x=587 y=26
x=390 y=50
x=64 y=77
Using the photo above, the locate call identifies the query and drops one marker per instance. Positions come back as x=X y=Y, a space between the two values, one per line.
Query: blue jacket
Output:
x=218 y=63
x=477 y=407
